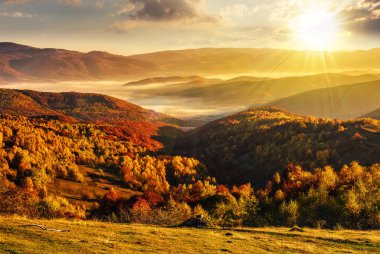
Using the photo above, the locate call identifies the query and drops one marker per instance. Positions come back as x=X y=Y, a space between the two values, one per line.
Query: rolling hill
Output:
x=118 y=117
x=20 y=62
x=170 y=80
x=254 y=144
x=80 y=106
x=344 y=102
x=374 y=114
x=209 y=98
x=110 y=169
x=244 y=92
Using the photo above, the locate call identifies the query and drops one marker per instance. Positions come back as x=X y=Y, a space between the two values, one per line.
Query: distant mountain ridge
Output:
x=253 y=91
x=21 y=62
x=172 y=79
x=343 y=102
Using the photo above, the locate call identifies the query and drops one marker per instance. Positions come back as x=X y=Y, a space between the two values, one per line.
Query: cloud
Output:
x=15 y=14
x=13 y=1
x=99 y=4
x=168 y=12
x=66 y=2
x=363 y=17
x=71 y=2
x=234 y=11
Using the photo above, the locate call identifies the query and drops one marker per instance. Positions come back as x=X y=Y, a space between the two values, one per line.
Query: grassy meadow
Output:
x=98 y=237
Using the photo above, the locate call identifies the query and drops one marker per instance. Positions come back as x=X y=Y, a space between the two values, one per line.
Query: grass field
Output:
x=96 y=237
x=93 y=185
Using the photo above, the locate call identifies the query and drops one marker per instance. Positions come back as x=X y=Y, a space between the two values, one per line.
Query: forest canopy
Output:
x=302 y=182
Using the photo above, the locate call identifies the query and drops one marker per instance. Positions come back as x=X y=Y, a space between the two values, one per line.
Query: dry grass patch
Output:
x=97 y=237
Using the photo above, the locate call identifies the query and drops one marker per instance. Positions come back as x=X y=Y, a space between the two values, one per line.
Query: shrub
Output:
x=289 y=213
x=230 y=214
x=58 y=207
x=141 y=212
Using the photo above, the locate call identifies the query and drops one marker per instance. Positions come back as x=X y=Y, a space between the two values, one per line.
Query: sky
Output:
x=138 y=26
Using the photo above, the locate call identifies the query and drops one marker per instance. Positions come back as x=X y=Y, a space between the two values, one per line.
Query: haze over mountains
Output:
x=332 y=95
x=201 y=85
x=19 y=62
x=243 y=91
x=345 y=102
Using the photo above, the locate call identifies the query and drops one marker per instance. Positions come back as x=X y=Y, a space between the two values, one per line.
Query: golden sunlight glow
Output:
x=316 y=29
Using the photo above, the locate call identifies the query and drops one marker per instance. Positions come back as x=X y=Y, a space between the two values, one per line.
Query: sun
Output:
x=316 y=29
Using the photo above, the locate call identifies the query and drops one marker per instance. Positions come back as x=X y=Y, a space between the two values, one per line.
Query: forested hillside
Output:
x=34 y=152
x=298 y=164
x=254 y=144
x=115 y=116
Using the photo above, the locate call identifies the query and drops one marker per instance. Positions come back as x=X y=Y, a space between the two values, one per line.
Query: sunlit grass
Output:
x=96 y=237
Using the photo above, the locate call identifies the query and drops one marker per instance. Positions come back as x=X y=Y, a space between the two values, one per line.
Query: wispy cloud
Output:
x=234 y=11
x=169 y=12
x=13 y=1
x=15 y=14
x=71 y=2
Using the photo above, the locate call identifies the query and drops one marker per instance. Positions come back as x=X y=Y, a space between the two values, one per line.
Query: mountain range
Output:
x=253 y=91
x=26 y=63
x=186 y=78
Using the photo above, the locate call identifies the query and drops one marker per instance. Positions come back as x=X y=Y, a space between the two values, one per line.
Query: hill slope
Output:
x=245 y=92
x=19 y=62
x=170 y=80
x=80 y=106
x=118 y=117
x=254 y=144
x=374 y=114
x=345 y=102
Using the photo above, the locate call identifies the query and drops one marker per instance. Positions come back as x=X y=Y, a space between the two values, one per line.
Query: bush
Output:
x=173 y=213
x=141 y=212
x=230 y=214
x=289 y=213
x=57 y=207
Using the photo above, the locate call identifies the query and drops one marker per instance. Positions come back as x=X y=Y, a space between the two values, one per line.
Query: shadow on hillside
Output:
x=167 y=136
